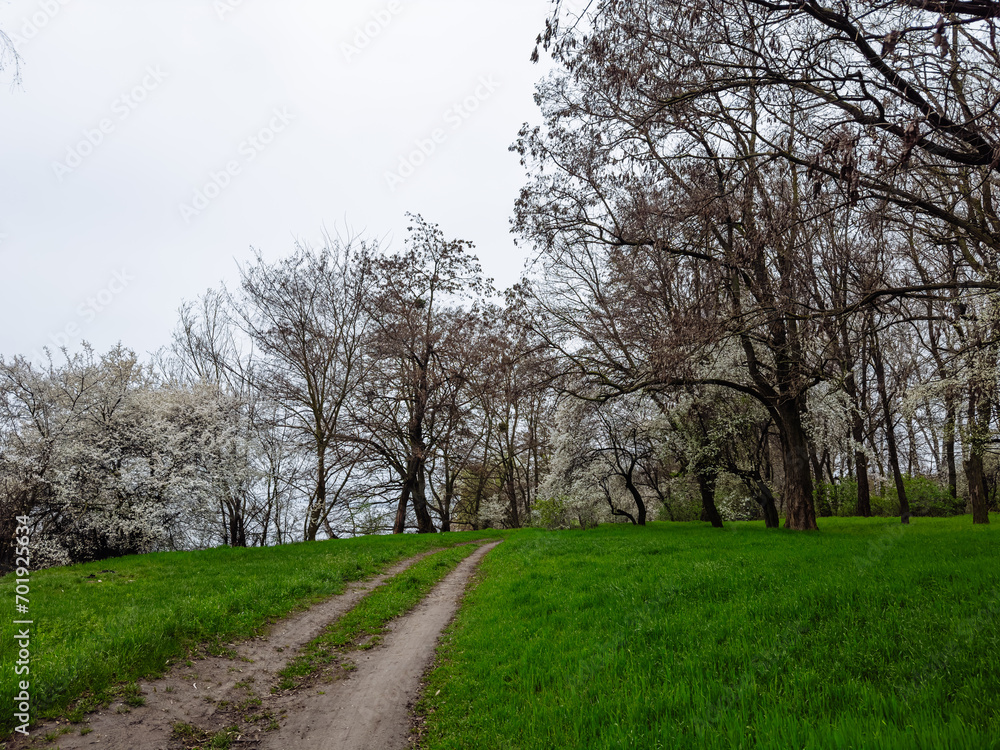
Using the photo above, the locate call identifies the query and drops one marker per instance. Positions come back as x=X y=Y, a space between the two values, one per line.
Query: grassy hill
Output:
x=865 y=634
x=100 y=626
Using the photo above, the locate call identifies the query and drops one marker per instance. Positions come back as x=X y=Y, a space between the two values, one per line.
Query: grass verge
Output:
x=866 y=634
x=107 y=624
x=368 y=620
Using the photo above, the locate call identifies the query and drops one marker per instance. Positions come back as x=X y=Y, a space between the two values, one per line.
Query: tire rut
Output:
x=371 y=707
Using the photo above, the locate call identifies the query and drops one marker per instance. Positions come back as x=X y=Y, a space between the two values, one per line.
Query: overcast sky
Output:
x=153 y=142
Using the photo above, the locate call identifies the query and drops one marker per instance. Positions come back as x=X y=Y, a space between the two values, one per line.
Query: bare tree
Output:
x=305 y=316
x=694 y=158
x=418 y=330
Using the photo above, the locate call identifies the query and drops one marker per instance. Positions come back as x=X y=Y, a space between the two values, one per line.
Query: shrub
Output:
x=926 y=498
x=842 y=497
x=550 y=513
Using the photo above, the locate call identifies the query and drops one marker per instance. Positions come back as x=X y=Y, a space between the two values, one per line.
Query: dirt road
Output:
x=369 y=708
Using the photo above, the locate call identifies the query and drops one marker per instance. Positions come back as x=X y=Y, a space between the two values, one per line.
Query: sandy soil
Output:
x=367 y=707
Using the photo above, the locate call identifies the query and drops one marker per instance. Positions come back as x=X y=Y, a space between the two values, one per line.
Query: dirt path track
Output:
x=371 y=709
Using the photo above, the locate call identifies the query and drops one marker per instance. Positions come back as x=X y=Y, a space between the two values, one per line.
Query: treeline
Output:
x=764 y=284
x=337 y=391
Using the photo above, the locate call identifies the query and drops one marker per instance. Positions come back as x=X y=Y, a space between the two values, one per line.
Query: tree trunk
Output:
x=890 y=435
x=798 y=489
x=509 y=483
x=425 y=524
x=223 y=511
x=821 y=495
x=318 y=506
x=978 y=428
x=414 y=489
x=611 y=504
x=949 y=447
x=237 y=528
x=709 y=512
x=912 y=460
x=977 y=487
x=864 y=506
x=399 y=525
x=766 y=501
x=446 y=503
x=640 y=506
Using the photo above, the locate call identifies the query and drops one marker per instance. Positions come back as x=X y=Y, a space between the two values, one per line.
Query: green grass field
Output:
x=94 y=630
x=863 y=635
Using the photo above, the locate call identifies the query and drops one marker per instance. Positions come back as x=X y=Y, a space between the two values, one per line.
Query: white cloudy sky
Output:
x=75 y=221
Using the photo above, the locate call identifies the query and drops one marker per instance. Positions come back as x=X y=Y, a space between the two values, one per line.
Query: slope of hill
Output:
x=866 y=634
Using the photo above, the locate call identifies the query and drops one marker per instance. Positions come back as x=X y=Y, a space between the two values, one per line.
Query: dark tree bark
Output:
x=765 y=499
x=800 y=511
x=762 y=495
x=709 y=512
x=864 y=505
x=317 y=503
x=822 y=498
x=949 y=447
x=978 y=428
x=890 y=435
x=414 y=491
x=640 y=505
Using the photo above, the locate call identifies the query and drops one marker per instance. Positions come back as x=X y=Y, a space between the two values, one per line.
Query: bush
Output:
x=566 y=512
x=926 y=498
x=841 y=497
x=681 y=500
x=550 y=513
x=734 y=501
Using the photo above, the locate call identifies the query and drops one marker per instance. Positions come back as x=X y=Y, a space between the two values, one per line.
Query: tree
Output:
x=419 y=357
x=207 y=354
x=306 y=318
x=613 y=445
x=513 y=407
x=654 y=266
x=106 y=460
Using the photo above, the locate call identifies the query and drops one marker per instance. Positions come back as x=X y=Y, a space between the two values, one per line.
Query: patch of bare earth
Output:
x=370 y=707
x=209 y=695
